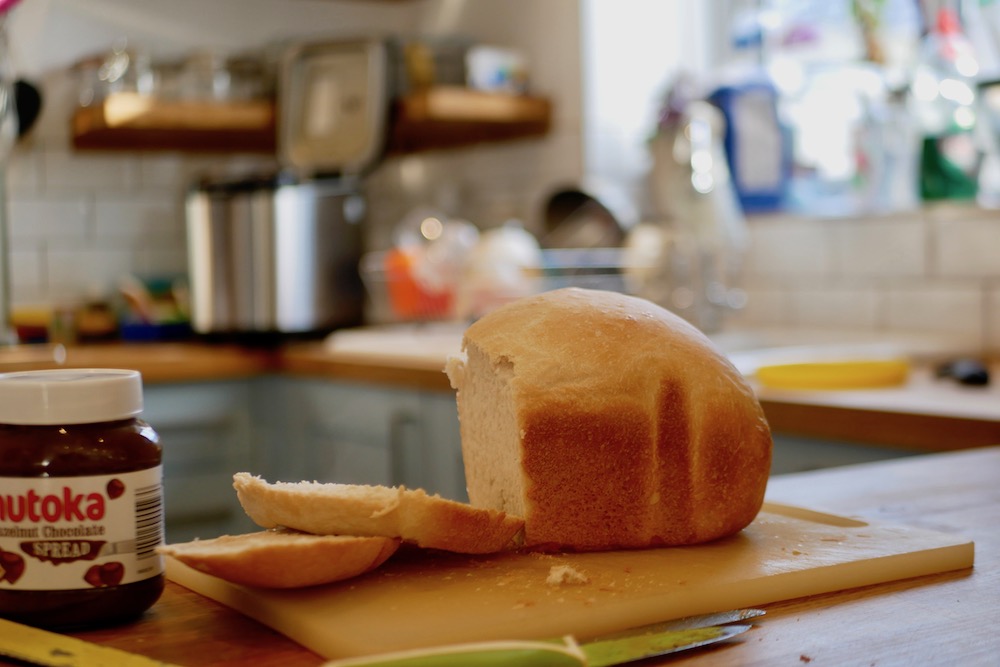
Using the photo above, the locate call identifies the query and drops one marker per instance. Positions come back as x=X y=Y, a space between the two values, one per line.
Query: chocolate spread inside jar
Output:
x=81 y=499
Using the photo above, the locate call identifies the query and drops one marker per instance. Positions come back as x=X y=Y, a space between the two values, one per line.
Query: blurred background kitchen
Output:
x=332 y=189
x=793 y=198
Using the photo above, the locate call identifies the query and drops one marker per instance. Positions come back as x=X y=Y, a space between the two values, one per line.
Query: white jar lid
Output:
x=69 y=396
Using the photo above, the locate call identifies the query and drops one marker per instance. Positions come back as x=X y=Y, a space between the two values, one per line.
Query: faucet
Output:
x=703 y=230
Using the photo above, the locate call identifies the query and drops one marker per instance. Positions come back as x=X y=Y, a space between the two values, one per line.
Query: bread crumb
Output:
x=561 y=575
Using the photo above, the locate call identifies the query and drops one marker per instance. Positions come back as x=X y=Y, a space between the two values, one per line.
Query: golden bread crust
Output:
x=634 y=430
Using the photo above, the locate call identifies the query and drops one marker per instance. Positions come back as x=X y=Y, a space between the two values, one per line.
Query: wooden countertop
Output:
x=926 y=414
x=158 y=362
x=932 y=620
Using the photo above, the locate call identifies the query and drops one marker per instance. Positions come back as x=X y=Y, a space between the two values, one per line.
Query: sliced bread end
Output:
x=282 y=558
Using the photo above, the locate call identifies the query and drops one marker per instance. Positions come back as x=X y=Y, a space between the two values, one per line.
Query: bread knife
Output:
x=50 y=649
x=620 y=648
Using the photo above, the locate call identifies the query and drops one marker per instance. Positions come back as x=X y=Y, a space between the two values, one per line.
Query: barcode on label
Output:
x=148 y=520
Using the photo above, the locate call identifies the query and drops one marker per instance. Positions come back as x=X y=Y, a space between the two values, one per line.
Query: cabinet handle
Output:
x=403 y=466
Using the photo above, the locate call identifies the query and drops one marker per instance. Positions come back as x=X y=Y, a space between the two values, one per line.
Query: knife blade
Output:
x=687 y=622
x=618 y=649
x=50 y=649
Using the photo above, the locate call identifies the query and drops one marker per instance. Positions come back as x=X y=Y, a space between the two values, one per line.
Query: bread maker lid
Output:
x=333 y=106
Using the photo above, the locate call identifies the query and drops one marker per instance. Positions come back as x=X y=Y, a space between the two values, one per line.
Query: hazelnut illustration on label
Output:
x=115 y=488
x=11 y=566
x=108 y=574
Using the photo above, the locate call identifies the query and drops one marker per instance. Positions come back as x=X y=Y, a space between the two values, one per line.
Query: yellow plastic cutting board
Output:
x=430 y=598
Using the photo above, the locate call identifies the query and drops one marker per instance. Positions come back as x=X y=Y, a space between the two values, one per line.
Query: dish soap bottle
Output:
x=943 y=88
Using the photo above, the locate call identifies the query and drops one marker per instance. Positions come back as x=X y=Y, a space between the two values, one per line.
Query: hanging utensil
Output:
x=28 y=105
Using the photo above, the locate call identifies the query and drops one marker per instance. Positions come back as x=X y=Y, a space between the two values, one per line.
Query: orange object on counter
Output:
x=407 y=297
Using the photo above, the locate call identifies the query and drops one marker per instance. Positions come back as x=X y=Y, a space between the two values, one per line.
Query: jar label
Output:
x=67 y=533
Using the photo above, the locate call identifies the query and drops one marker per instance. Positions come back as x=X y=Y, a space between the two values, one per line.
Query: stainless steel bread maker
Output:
x=279 y=254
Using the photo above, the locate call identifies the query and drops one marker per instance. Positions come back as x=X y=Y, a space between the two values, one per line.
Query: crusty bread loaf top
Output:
x=282 y=558
x=596 y=345
x=607 y=422
x=428 y=521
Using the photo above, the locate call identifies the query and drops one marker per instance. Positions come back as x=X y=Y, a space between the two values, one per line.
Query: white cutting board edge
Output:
x=766 y=563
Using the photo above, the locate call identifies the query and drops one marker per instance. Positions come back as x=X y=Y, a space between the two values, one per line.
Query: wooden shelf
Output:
x=443 y=117
x=449 y=117
x=127 y=121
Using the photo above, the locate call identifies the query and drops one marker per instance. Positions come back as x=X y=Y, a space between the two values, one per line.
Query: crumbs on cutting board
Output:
x=564 y=575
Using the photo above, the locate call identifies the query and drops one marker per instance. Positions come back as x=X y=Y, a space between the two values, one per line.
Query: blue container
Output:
x=758 y=148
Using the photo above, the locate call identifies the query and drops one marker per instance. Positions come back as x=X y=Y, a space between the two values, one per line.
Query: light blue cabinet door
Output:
x=798 y=454
x=205 y=430
x=363 y=434
x=355 y=434
x=443 y=473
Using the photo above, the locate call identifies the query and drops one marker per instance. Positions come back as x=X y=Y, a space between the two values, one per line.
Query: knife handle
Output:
x=478 y=654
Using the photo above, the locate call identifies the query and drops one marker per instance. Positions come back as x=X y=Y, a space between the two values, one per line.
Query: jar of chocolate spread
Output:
x=81 y=499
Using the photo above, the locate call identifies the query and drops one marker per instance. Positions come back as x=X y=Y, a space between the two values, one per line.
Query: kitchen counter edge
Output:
x=806 y=415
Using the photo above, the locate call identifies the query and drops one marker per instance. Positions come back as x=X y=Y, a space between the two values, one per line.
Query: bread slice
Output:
x=283 y=558
x=428 y=521
x=607 y=422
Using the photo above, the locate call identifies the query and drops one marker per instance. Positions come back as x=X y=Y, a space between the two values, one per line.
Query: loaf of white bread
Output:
x=589 y=420
x=607 y=422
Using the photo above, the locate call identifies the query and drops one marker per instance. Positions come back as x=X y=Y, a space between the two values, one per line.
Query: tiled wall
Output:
x=934 y=272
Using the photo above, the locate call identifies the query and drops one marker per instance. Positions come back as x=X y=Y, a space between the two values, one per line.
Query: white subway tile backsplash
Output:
x=44 y=218
x=78 y=272
x=23 y=172
x=766 y=306
x=789 y=247
x=836 y=307
x=140 y=219
x=27 y=274
x=878 y=248
x=950 y=308
x=67 y=171
x=966 y=247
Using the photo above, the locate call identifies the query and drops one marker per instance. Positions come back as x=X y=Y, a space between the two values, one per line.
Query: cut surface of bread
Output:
x=607 y=422
x=282 y=558
x=428 y=521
